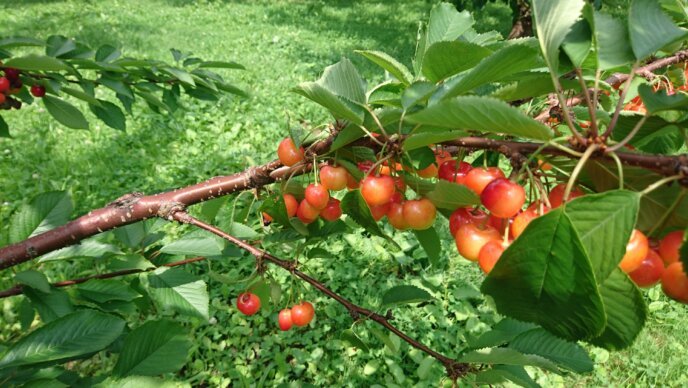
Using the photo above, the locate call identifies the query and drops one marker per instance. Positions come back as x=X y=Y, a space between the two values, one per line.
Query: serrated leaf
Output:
x=107 y=53
x=422 y=138
x=545 y=277
x=348 y=336
x=656 y=136
x=139 y=382
x=133 y=262
x=566 y=354
x=504 y=331
x=74 y=335
x=499 y=65
x=339 y=107
x=500 y=373
x=604 y=223
x=451 y=196
x=416 y=93
x=661 y=101
x=105 y=290
x=153 y=348
x=176 y=289
x=444 y=59
x=195 y=245
x=650 y=28
x=45 y=211
x=405 y=294
x=50 y=305
x=65 y=113
x=447 y=24
x=86 y=248
x=430 y=241
x=578 y=42
x=507 y=356
x=33 y=62
x=553 y=21
x=355 y=207
x=110 y=114
x=33 y=279
x=481 y=114
x=385 y=61
x=612 y=42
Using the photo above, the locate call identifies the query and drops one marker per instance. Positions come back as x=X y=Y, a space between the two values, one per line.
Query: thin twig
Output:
x=628 y=137
x=591 y=108
x=576 y=170
x=620 y=104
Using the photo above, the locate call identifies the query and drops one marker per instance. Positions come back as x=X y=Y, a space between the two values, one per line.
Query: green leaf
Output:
x=80 y=95
x=405 y=294
x=553 y=21
x=133 y=261
x=526 y=87
x=105 y=290
x=222 y=65
x=545 y=277
x=58 y=45
x=74 y=335
x=500 y=373
x=195 y=245
x=447 y=24
x=86 y=248
x=385 y=61
x=4 y=128
x=656 y=136
x=110 y=114
x=340 y=108
x=482 y=114
x=20 y=41
x=26 y=314
x=50 y=305
x=384 y=338
x=444 y=59
x=117 y=86
x=425 y=367
x=661 y=101
x=107 y=53
x=416 y=93
x=604 y=223
x=175 y=289
x=503 y=332
x=180 y=75
x=355 y=207
x=45 y=211
x=578 y=42
x=274 y=205
x=33 y=62
x=512 y=59
x=153 y=348
x=567 y=354
x=65 y=113
x=613 y=44
x=33 y=279
x=650 y=28
x=626 y=311
x=139 y=382
x=422 y=138
x=507 y=356
x=348 y=336
x=451 y=196
x=430 y=241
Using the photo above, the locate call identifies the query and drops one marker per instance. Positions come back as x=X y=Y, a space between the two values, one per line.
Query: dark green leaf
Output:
x=58 y=45
x=553 y=21
x=500 y=373
x=355 y=207
x=33 y=62
x=444 y=59
x=107 y=53
x=105 y=290
x=80 y=95
x=86 y=248
x=650 y=28
x=656 y=136
x=180 y=75
x=26 y=314
x=451 y=196
x=507 y=356
x=45 y=211
x=117 y=86
x=423 y=138
x=176 y=289
x=660 y=101
x=566 y=354
x=221 y=65
x=503 y=332
x=194 y=244
x=33 y=279
x=405 y=295
x=578 y=42
x=65 y=113
x=430 y=241
x=276 y=208
x=76 y=334
x=110 y=114
x=416 y=93
x=348 y=336
x=4 y=128
x=19 y=41
x=482 y=114
x=153 y=348
x=613 y=44
x=545 y=277
x=51 y=305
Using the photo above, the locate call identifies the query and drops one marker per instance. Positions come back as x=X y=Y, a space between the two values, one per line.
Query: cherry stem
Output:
x=660 y=222
x=579 y=167
x=660 y=183
x=620 y=103
x=454 y=368
x=591 y=108
x=619 y=167
x=630 y=135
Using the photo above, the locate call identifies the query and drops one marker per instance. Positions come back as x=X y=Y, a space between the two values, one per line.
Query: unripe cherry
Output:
x=332 y=211
x=334 y=178
x=307 y=213
x=523 y=218
x=291 y=204
x=317 y=196
x=419 y=213
x=471 y=238
x=288 y=154
x=284 y=320
x=636 y=251
x=476 y=179
x=503 y=198
x=377 y=190
x=248 y=303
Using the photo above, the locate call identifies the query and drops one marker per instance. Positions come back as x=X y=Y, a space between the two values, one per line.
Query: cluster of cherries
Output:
x=11 y=84
x=300 y=314
x=481 y=235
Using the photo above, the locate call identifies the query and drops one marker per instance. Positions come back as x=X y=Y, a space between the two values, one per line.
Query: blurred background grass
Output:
x=282 y=44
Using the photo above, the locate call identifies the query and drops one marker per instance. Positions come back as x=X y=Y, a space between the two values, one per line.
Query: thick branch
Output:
x=17 y=289
x=454 y=368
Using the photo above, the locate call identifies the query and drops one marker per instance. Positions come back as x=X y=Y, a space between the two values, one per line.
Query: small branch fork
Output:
x=454 y=368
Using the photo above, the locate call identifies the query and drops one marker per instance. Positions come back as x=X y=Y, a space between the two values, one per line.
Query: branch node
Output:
x=355 y=316
x=173 y=211
x=126 y=200
x=389 y=316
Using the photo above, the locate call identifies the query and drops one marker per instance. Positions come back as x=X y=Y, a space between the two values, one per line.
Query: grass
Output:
x=282 y=44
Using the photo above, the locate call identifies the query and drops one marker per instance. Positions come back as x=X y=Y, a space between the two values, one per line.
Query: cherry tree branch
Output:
x=454 y=368
x=18 y=289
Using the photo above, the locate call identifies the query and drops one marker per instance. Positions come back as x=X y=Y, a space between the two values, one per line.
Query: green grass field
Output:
x=281 y=44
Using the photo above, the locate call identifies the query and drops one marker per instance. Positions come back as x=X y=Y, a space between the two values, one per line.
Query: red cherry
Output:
x=332 y=211
x=11 y=73
x=377 y=190
x=471 y=238
x=503 y=198
x=523 y=218
x=420 y=213
x=465 y=215
x=428 y=172
x=636 y=251
x=302 y=314
x=248 y=303
x=365 y=166
x=490 y=254
x=4 y=84
x=3 y=98
x=449 y=172
x=351 y=182
x=477 y=178
x=334 y=178
x=379 y=211
x=287 y=152
x=284 y=320
x=395 y=216
x=442 y=156
x=37 y=91
x=499 y=223
x=397 y=197
x=291 y=203
x=399 y=184
x=556 y=196
x=669 y=247
x=306 y=212
x=650 y=270
x=675 y=282
x=317 y=196
x=266 y=218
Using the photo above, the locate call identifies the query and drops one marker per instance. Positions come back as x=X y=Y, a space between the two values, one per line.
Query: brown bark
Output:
x=523 y=22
